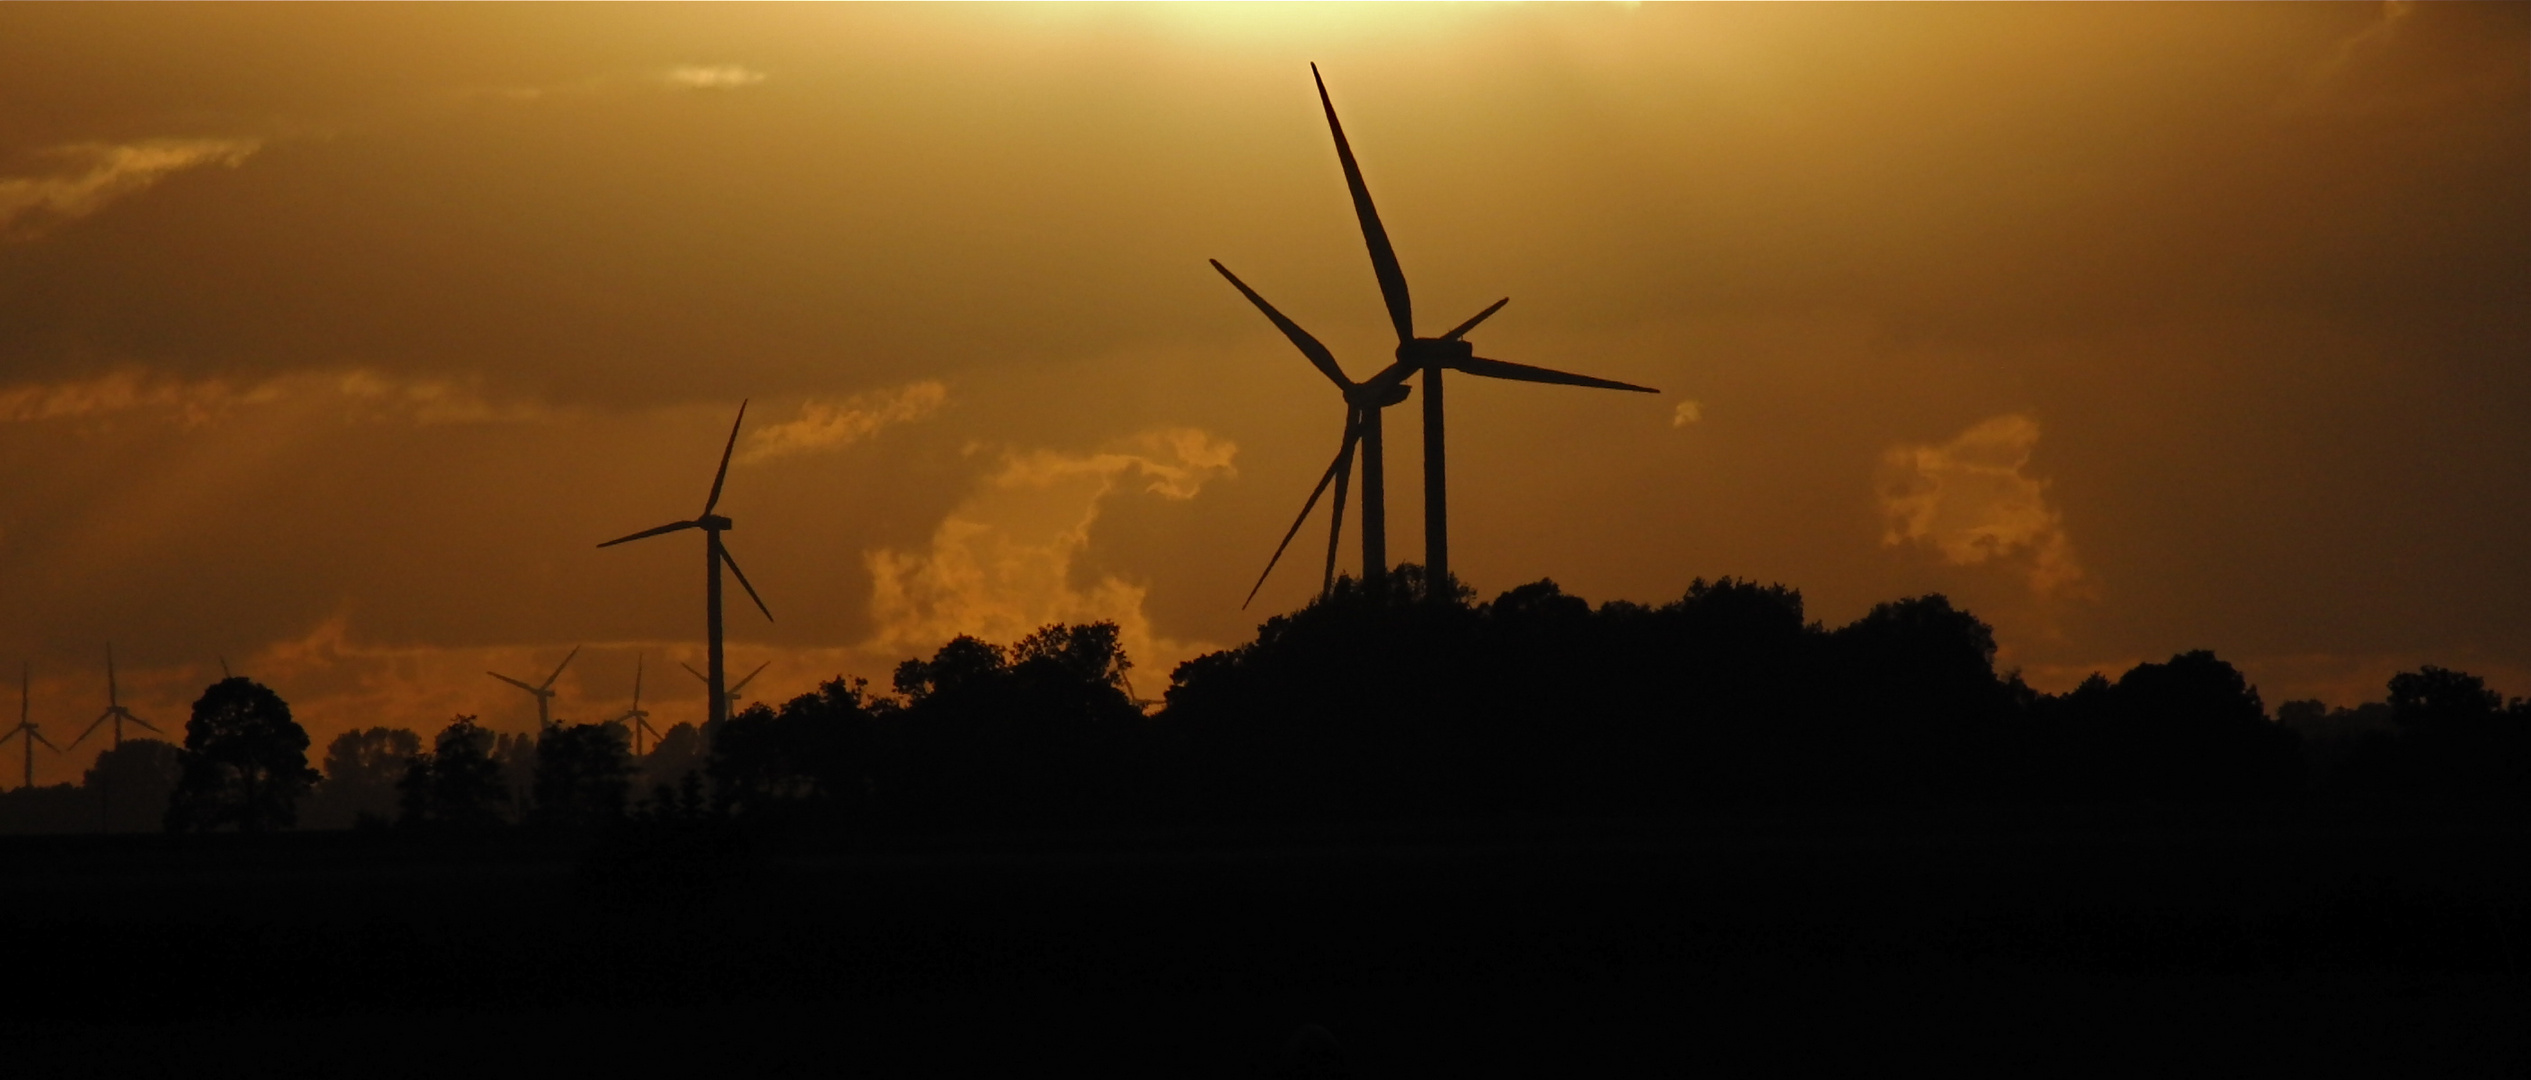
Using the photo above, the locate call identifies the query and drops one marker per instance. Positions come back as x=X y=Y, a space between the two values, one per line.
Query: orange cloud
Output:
x=1970 y=500
x=1001 y=565
x=829 y=425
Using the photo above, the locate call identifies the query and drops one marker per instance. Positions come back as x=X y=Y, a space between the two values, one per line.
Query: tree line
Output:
x=1375 y=702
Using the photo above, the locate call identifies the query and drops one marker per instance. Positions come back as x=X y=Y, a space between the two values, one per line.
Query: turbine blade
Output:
x=13 y=733
x=751 y=677
x=143 y=723
x=514 y=682
x=742 y=583
x=650 y=532
x=1383 y=257
x=566 y=662
x=1393 y=375
x=1309 y=346
x=1479 y=317
x=715 y=498
x=92 y=727
x=689 y=669
x=1336 y=527
x=1323 y=480
x=1504 y=369
x=38 y=736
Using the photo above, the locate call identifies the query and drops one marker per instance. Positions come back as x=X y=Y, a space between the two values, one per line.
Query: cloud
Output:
x=356 y=396
x=1970 y=500
x=829 y=425
x=713 y=76
x=99 y=173
x=1001 y=565
x=1687 y=413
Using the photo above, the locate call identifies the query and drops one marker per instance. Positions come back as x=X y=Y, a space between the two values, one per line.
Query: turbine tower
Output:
x=544 y=691
x=1430 y=357
x=634 y=719
x=114 y=709
x=27 y=728
x=739 y=688
x=714 y=557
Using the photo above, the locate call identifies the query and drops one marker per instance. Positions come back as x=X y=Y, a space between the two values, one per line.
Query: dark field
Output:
x=2070 y=946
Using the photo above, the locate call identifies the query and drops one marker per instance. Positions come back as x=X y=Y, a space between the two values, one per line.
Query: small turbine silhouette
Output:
x=544 y=691
x=27 y=728
x=635 y=719
x=735 y=690
x=114 y=709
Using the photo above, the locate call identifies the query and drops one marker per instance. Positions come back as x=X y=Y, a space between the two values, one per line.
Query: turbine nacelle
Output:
x=716 y=523
x=1376 y=394
x=1434 y=352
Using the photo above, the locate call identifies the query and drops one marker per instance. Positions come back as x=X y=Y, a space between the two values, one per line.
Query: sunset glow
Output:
x=332 y=340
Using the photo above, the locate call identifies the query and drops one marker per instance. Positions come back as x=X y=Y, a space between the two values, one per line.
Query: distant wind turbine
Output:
x=114 y=709
x=634 y=718
x=544 y=691
x=734 y=691
x=1429 y=356
x=715 y=555
x=26 y=727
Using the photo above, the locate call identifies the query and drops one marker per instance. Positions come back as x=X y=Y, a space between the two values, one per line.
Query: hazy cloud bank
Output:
x=95 y=174
x=356 y=396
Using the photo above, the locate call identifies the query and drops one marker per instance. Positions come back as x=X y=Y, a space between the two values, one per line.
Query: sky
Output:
x=334 y=339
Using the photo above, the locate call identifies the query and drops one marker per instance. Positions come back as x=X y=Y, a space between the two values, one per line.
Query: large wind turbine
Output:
x=737 y=688
x=1430 y=356
x=114 y=709
x=714 y=556
x=544 y=691
x=635 y=719
x=26 y=727
x=1363 y=402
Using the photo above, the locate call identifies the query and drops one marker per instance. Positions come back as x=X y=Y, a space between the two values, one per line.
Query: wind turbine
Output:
x=714 y=556
x=1429 y=356
x=1363 y=402
x=544 y=691
x=734 y=691
x=634 y=718
x=114 y=709
x=27 y=728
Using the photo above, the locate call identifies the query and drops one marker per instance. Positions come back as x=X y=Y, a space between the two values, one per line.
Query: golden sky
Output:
x=333 y=339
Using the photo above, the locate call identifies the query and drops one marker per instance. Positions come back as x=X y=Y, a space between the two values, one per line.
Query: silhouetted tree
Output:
x=1042 y=733
x=2459 y=746
x=244 y=763
x=679 y=754
x=2433 y=701
x=815 y=755
x=362 y=768
x=583 y=774
x=134 y=781
x=2194 y=729
x=456 y=785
